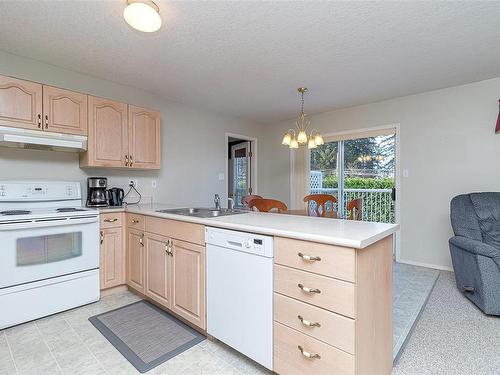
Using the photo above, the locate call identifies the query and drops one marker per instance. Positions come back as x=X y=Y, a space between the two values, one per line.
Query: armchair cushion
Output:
x=487 y=207
x=476 y=247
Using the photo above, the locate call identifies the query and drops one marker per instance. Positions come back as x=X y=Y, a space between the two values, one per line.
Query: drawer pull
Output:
x=101 y=237
x=110 y=220
x=135 y=221
x=141 y=239
x=308 y=290
x=308 y=355
x=308 y=323
x=309 y=258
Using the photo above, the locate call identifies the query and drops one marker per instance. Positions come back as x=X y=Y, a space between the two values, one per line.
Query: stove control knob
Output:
x=248 y=243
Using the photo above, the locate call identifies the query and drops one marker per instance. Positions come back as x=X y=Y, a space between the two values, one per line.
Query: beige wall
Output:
x=193 y=140
x=447 y=145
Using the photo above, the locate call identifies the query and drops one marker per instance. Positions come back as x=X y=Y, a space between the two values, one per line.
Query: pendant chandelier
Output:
x=295 y=138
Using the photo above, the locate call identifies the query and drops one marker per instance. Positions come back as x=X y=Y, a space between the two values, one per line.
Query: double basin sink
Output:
x=202 y=212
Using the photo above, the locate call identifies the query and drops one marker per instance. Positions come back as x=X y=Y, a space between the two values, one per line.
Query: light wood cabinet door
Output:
x=158 y=279
x=112 y=260
x=107 y=134
x=144 y=138
x=135 y=260
x=20 y=103
x=64 y=111
x=188 y=282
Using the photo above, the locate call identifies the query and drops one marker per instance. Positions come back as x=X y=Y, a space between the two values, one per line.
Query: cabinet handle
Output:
x=141 y=240
x=101 y=239
x=135 y=221
x=308 y=355
x=110 y=220
x=168 y=248
x=130 y=160
x=308 y=290
x=39 y=121
x=126 y=160
x=309 y=258
x=308 y=323
x=46 y=121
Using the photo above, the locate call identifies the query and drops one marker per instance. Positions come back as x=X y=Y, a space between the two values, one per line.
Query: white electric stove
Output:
x=49 y=258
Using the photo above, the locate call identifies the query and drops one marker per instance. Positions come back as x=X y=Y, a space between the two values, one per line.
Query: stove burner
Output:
x=69 y=209
x=15 y=212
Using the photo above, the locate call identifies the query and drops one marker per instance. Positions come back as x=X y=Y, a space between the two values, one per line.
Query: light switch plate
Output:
x=153 y=184
x=405 y=173
x=221 y=176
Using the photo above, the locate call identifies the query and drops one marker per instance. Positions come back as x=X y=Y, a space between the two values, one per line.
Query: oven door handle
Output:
x=47 y=222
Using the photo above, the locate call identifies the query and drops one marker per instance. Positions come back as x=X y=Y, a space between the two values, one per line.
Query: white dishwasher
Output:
x=239 y=270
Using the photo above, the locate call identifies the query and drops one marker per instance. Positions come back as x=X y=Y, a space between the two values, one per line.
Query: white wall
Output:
x=193 y=140
x=448 y=146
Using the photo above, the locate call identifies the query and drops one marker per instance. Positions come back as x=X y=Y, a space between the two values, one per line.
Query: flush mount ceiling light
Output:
x=142 y=15
x=293 y=139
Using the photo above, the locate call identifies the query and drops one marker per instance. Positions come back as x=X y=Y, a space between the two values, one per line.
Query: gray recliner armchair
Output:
x=475 y=248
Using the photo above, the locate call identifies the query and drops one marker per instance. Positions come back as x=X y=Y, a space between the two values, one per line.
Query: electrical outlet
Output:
x=133 y=183
x=221 y=176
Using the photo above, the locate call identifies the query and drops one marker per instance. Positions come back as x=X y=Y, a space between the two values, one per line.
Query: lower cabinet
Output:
x=111 y=270
x=188 y=282
x=135 y=259
x=169 y=271
x=158 y=269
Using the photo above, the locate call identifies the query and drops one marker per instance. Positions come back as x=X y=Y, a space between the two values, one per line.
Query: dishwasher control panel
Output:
x=241 y=241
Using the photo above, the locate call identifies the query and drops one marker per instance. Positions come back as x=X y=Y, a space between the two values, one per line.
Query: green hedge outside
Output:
x=359 y=183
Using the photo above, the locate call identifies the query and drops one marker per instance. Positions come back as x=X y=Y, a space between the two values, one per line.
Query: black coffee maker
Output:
x=96 y=192
x=115 y=197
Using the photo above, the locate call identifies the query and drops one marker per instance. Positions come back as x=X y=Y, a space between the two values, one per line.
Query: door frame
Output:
x=254 y=161
x=397 y=172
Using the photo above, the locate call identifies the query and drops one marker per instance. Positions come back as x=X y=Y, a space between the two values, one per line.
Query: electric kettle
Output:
x=115 y=197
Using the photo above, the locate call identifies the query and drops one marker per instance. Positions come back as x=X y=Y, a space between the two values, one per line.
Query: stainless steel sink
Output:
x=202 y=212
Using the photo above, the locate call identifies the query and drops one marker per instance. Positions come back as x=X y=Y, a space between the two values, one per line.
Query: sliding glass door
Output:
x=360 y=172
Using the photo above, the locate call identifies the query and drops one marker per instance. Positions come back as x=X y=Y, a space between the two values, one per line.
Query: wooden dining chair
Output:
x=266 y=205
x=247 y=198
x=321 y=200
x=354 y=208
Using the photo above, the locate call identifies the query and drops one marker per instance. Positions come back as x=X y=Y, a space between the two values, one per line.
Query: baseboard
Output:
x=428 y=265
x=113 y=290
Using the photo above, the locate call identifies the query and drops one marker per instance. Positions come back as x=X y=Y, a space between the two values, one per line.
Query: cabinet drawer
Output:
x=289 y=360
x=111 y=220
x=334 y=295
x=189 y=232
x=332 y=261
x=331 y=328
x=136 y=221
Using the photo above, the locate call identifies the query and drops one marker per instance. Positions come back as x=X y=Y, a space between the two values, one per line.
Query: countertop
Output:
x=355 y=234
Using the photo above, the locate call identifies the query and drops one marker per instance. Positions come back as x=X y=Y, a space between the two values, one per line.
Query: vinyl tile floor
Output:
x=67 y=343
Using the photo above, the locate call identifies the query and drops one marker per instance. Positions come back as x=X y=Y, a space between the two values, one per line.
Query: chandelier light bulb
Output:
x=302 y=137
x=318 y=139
x=287 y=139
x=311 y=143
x=294 y=143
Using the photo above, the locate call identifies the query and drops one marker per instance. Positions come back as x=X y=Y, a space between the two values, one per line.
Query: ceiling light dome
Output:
x=142 y=15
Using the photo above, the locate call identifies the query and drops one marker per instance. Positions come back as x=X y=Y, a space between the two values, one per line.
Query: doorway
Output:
x=241 y=167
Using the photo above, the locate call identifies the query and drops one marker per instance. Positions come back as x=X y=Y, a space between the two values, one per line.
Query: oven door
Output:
x=42 y=249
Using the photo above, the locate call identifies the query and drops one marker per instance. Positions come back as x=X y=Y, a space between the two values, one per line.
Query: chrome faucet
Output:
x=217 y=201
x=230 y=203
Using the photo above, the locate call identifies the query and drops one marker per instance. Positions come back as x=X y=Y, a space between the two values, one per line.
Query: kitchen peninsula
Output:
x=332 y=281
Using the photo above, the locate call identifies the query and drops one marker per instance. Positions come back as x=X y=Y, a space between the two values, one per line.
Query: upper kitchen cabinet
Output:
x=121 y=136
x=64 y=111
x=107 y=134
x=144 y=138
x=20 y=103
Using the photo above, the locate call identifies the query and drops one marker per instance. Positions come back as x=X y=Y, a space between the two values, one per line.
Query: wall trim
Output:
x=427 y=265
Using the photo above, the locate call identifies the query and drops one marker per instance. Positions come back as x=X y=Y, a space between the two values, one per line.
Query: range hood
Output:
x=40 y=140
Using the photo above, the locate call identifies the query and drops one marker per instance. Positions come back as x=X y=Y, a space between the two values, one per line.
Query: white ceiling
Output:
x=247 y=58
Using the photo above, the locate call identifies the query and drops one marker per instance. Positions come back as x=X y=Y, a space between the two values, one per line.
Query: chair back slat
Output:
x=321 y=200
x=266 y=205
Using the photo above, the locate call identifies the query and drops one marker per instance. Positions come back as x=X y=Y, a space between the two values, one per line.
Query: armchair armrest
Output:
x=476 y=247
